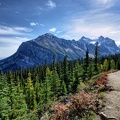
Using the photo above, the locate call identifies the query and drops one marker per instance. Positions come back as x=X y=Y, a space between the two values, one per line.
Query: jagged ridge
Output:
x=36 y=52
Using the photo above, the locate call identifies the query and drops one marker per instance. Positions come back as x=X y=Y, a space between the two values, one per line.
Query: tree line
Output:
x=27 y=94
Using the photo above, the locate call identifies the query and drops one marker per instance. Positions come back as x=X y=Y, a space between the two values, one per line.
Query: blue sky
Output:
x=22 y=20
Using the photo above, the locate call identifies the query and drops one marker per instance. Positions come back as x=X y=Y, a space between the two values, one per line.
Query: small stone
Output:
x=105 y=117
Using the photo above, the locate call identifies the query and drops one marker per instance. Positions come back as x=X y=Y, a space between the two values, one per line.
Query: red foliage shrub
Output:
x=60 y=112
x=82 y=103
x=106 y=73
x=102 y=80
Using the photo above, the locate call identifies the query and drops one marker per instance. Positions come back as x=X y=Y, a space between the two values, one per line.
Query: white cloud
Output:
x=58 y=32
x=4 y=30
x=103 y=4
x=76 y=32
x=104 y=1
x=10 y=45
x=52 y=30
x=42 y=25
x=22 y=29
x=12 y=40
x=51 y=4
x=17 y=12
x=33 y=24
x=22 y=38
x=115 y=32
x=8 y=31
x=93 y=27
x=7 y=51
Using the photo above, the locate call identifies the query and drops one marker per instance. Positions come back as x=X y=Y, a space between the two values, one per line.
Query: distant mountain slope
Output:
x=107 y=46
x=36 y=52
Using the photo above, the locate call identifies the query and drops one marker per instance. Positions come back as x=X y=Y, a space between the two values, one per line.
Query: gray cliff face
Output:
x=107 y=46
x=36 y=52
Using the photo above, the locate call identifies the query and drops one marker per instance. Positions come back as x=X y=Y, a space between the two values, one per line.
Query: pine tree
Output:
x=55 y=81
x=30 y=93
x=37 y=88
x=63 y=89
x=90 y=72
x=16 y=99
x=96 y=71
x=112 y=64
x=85 y=67
x=78 y=72
x=5 y=108
x=17 y=102
x=101 y=68
x=72 y=78
x=105 y=65
x=118 y=63
x=86 y=60
x=59 y=70
x=47 y=86
x=65 y=74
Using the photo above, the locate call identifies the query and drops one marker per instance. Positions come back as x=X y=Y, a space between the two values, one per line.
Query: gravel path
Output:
x=112 y=98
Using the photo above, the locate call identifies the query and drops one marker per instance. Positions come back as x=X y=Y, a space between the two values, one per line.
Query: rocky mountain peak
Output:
x=48 y=35
x=35 y=52
x=101 y=38
x=105 y=40
x=85 y=40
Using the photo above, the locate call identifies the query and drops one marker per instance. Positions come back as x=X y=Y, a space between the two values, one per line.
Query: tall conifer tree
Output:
x=5 y=108
x=85 y=66
x=30 y=93
x=65 y=74
x=96 y=59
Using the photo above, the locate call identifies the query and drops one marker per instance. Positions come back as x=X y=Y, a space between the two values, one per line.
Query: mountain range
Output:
x=37 y=51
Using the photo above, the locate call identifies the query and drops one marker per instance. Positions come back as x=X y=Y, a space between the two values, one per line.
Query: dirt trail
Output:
x=111 y=111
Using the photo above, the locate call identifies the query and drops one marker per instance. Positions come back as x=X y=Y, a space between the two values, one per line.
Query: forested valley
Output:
x=28 y=94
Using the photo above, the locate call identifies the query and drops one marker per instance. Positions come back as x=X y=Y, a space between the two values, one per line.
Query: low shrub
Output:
x=82 y=103
x=102 y=80
x=61 y=112
x=101 y=95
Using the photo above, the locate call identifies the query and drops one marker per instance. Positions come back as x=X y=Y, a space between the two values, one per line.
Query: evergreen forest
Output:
x=28 y=94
